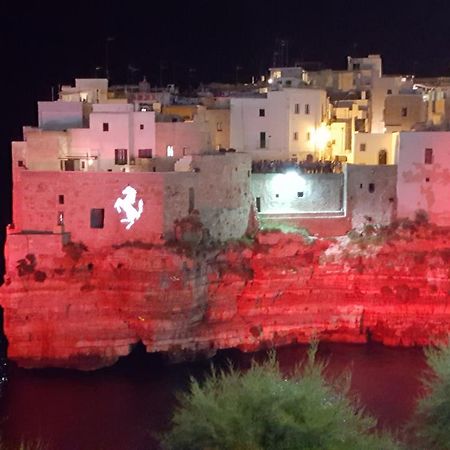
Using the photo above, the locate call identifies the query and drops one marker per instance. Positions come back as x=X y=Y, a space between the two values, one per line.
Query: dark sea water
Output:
x=125 y=407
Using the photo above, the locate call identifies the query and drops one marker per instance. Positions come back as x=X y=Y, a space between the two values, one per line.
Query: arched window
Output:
x=382 y=157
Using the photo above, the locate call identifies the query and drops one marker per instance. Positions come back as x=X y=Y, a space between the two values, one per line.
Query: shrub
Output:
x=432 y=417
x=261 y=409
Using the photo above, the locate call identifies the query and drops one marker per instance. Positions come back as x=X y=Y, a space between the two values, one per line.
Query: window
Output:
x=308 y=136
x=262 y=139
x=61 y=199
x=141 y=126
x=404 y=112
x=258 y=204
x=185 y=151
x=389 y=92
x=120 y=156
x=60 y=218
x=97 y=217
x=20 y=163
x=356 y=66
x=83 y=164
x=307 y=108
x=295 y=136
x=105 y=126
x=191 y=200
x=297 y=108
x=169 y=151
x=219 y=126
x=427 y=180
x=371 y=188
x=145 y=153
x=362 y=147
x=299 y=194
x=428 y=156
x=262 y=112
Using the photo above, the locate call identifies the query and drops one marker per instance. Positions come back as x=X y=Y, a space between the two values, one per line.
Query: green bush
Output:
x=262 y=409
x=432 y=418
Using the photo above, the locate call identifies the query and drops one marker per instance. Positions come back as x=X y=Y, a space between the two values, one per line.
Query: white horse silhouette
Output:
x=127 y=206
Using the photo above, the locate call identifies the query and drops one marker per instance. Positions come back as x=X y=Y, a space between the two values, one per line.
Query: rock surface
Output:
x=76 y=308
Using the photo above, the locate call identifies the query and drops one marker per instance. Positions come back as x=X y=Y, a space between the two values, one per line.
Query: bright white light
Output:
x=90 y=162
x=170 y=150
x=270 y=80
x=287 y=183
x=126 y=205
x=321 y=137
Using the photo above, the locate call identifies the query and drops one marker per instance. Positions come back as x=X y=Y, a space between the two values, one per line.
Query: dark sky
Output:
x=195 y=41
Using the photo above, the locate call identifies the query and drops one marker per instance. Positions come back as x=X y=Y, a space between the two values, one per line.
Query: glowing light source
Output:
x=169 y=150
x=287 y=183
x=270 y=80
x=126 y=205
x=321 y=136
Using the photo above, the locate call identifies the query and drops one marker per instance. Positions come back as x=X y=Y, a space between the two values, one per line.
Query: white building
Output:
x=284 y=124
x=423 y=160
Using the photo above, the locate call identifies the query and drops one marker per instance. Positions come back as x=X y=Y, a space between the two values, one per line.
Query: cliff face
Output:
x=74 y=308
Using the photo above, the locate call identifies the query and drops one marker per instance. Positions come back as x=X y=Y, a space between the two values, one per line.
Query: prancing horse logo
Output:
x=126 y=205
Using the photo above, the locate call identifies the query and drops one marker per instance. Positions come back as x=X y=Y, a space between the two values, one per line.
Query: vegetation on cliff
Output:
x=262 y=409
x=432 y=418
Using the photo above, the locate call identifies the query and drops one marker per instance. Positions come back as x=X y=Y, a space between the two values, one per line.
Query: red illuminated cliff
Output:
x=76 y=308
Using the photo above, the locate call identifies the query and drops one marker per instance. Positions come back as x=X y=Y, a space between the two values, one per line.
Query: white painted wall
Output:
x=424 y=186
x=374 y=143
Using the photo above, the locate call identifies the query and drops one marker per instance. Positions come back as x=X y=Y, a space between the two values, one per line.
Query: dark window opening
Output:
x=262 y=139
x=145 y=153
x=69 y=165
x=427 y=180
x=404 y=112
x=120 y=156
x=258 y=204
x=61 y=199
x=382 y=157
x=361 y=186
x=97 y=217
x=20 y=163
x=299 y=194
x=83 y=164
x=307 y=108
x=248 y=173
x=389 y=91
x=391 y=199
x=297 y=108
x=191 y=200
x=428 y=156
x=141 y=126
x=262 y=112
x=277 y=195
x=105 y=126
x=371 y=187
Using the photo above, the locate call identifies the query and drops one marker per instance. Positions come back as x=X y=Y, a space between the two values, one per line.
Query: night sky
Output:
x=199 y=41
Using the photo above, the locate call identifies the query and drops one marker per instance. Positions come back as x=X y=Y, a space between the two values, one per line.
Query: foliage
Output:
x=432 y=418
x=262 y=410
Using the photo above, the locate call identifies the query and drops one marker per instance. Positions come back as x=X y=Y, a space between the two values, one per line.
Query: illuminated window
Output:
x=362 y=147
x=97 y=217
x=120 y=156
x=262 y=139
x=428 y=156
x=404 y=112
x=297 y=108
x=105 y=126
x=169 y=151
x=145 y=153
x=60 y=218
x=295 y=135
x=307 y=108
x=262 y=112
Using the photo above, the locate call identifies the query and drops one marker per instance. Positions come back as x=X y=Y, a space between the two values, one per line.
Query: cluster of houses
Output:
x=165 y=155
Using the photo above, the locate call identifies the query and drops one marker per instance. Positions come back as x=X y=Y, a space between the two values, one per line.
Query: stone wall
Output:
x=85 y=309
